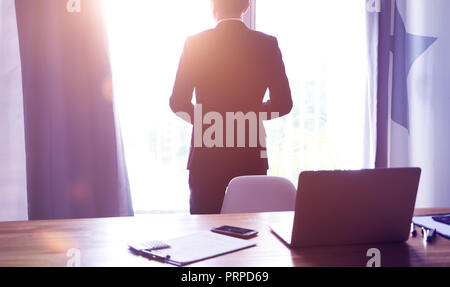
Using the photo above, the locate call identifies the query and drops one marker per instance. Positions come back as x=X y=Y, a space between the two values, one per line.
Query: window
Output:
x=323 y=47
x=146 y=41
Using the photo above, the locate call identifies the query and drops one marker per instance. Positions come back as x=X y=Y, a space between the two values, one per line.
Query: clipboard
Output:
x=428 y=222
x=197 y=247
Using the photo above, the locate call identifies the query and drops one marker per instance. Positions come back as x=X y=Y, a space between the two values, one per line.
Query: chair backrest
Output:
x=246 y=194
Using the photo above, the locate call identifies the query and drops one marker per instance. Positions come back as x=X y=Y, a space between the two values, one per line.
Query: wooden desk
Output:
x=102 y=242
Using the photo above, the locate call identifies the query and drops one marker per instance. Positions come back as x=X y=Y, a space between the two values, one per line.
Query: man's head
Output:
x=229 y=8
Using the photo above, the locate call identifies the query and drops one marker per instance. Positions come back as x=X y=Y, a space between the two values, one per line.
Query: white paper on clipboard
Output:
x=428 y=222
x=199 y=246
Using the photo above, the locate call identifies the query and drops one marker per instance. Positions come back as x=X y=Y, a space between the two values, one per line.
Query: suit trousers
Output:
x=208 y=186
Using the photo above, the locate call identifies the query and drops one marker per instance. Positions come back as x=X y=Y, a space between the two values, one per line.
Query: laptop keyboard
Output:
x=443 y=219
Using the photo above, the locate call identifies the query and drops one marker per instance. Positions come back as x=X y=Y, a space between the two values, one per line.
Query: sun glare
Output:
x=324 y=54
x=146 y=41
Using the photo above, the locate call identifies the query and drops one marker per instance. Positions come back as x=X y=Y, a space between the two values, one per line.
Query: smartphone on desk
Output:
x=234 y=231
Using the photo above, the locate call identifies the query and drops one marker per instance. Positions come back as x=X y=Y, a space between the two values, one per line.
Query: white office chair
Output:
x=246 y=194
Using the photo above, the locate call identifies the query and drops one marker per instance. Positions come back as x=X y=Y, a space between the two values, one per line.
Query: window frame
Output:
x=250 y=16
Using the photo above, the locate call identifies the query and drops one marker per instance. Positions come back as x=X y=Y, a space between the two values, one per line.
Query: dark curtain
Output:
x=75 y=164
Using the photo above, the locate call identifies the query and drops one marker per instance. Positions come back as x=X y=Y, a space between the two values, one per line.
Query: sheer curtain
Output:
x=146 y=41
x=13 y=199
x=414 y=44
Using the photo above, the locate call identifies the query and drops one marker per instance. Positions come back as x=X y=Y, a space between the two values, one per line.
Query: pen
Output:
x=149 y=255
x=413 y=230
x=431 y=234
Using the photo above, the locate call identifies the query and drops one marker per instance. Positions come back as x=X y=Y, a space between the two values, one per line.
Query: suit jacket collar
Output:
x=231 y=22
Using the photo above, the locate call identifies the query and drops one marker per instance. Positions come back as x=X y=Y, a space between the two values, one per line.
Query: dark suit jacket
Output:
x=230 y=67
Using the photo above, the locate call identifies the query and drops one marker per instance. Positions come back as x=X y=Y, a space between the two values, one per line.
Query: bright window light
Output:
x=324 y=50
x=146 y=41
x=323 y=44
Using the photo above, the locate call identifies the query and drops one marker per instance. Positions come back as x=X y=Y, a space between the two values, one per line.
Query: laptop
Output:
x=351 y=207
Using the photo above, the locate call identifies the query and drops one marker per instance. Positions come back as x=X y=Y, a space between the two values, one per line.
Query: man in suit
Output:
x=230 y=68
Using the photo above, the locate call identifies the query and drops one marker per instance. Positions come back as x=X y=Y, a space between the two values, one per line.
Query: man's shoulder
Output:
x=199 y=36
x=263 y=36
x=256 y=35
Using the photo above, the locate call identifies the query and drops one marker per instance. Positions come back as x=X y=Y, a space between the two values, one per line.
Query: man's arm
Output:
x=280 y=93
x=181 y=99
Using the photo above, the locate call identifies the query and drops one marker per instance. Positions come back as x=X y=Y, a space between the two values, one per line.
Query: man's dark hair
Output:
x=230 y=6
